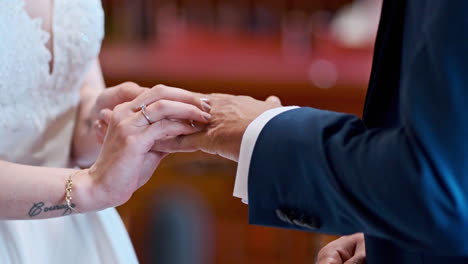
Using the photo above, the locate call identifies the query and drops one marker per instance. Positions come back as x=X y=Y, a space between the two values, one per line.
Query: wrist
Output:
x=86 y=195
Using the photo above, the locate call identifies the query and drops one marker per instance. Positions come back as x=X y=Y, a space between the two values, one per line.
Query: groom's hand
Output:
x=223 y=136
x=345 y=250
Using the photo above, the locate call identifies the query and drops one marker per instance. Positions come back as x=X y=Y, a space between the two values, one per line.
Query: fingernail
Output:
x=206 y=100
x=97 y=124
x=206 y=107
x=207 y=116
x=192 y=123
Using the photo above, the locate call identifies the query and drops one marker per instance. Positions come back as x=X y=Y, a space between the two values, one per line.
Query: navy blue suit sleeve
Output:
x=407 y=184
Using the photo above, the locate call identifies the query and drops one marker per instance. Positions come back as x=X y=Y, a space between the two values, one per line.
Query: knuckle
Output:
x=124 y=90
x=326 y=253
x=160 y=88
x=127 y=88
x=129 y=85
x=160 y=105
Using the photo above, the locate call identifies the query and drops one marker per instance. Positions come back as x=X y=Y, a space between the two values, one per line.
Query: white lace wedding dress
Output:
x=37 y=114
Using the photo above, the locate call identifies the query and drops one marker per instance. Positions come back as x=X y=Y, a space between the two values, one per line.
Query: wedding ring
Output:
x=143 y=112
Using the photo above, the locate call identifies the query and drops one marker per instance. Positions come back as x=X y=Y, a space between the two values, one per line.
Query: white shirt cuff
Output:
x=247 y=146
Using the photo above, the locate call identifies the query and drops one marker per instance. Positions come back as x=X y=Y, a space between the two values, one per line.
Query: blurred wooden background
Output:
x=256 y=48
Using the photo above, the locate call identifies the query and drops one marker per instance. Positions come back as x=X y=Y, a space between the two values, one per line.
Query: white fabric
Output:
x=247 y=147
x=37 y=115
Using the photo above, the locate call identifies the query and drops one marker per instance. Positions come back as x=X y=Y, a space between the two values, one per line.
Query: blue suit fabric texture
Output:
x=399 y=174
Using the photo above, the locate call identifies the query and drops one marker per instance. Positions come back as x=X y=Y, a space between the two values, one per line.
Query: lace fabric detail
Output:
x=34 y=100
x=23 y=55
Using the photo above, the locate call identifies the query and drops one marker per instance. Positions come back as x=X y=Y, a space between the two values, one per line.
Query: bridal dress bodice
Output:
x=39 y=96
x=38 y=102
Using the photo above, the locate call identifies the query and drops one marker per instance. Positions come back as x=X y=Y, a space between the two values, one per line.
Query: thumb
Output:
x=274 y=100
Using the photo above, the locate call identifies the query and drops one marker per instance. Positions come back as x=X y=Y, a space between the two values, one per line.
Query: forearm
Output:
x=328 y=171
x=29 y=192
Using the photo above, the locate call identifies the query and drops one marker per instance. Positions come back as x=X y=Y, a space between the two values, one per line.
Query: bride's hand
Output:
x=110 y=98
x=126 y=161
x=128 y=91
x=223 y=136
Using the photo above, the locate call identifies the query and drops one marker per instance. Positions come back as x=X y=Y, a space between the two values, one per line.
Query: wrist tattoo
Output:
x=40 y=207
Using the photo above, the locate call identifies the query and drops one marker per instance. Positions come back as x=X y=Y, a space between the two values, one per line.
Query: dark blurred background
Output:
x=308 y=52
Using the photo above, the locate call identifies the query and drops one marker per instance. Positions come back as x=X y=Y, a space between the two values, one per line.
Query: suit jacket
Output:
x=400 y=175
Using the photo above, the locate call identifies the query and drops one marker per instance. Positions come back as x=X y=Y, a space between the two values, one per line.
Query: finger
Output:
x=144 y=138
x=105 y=115
x=128 y=93
x=274 y=100
x=356 y=259
x=329 y=260
x=188 y=143
x=164 y=109
x=170 y=128
x=337 y=251
x=167 y=129
x=162 y=92
x=121 y=112
x=124 y=92
x=101 y=129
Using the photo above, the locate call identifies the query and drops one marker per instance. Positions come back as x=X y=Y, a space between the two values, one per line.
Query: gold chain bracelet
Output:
x=69 y=191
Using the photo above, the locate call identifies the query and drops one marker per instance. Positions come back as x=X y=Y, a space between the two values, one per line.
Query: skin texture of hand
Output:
x=345 y=250
x=127 y=161
x=223 y=135
x=113 y=96
x=109 y=99
x=127 y=92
